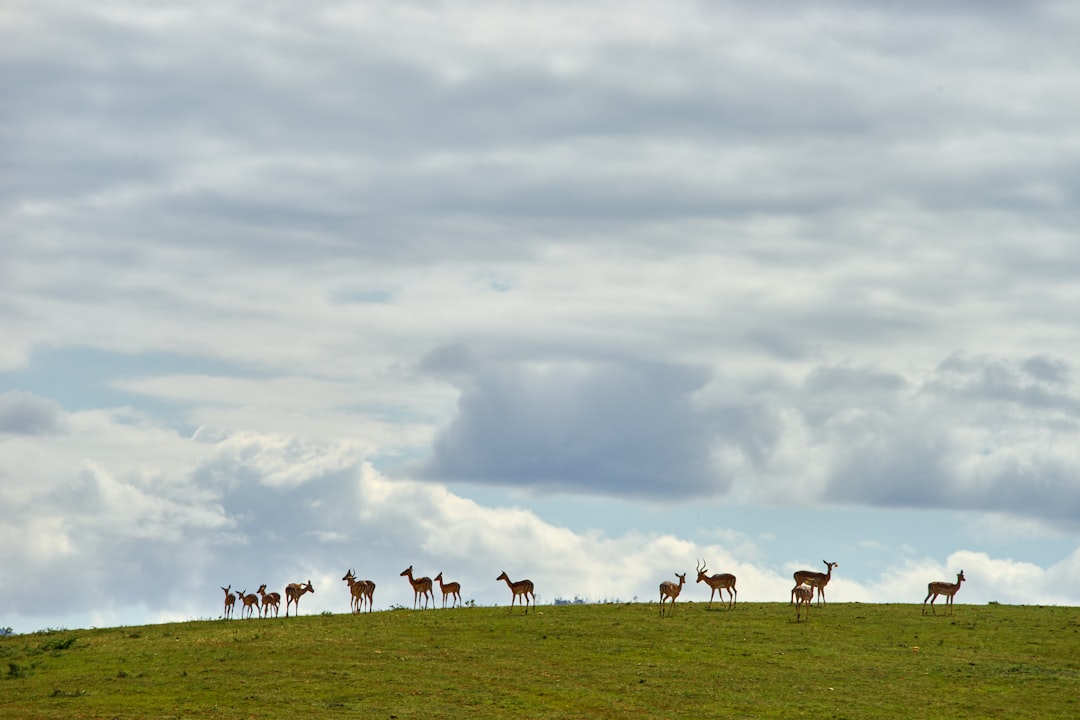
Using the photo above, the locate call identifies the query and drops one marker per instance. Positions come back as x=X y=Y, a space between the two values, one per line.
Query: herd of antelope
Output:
x=271 y=601
x=363 y=591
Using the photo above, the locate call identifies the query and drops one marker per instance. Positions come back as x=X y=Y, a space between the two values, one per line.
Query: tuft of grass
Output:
x=603 y=661
x=56 y=644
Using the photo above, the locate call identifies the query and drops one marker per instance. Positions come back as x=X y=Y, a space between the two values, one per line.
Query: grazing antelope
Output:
x=524 y=588
x=251 y=602
x=451 y=588
x=669 y=589
x=943 y=588
x=269 y=601
x=803 y=594
x=420 y=586
x=814 y=580
x=293 y=593
x=230 y=602
x=359 y=590
x=367 y=587
x=721 y=582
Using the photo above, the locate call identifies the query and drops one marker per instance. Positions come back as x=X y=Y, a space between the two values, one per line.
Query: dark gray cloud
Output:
x=25 y=414
x=609 y=428
x=979 y=433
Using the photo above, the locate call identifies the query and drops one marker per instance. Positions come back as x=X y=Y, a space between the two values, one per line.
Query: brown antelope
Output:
x=359 y=591
x=671 y=590
x=230 y=602
x=420 y=586
x=814 y=580
x=721 y=582
x=251 y=603
x=293 y=593
x=269 y=601
x=450 y=588
x=524 y=588
x=354 y=592
x=367 y=587
x=803 y=594
x=943 y=588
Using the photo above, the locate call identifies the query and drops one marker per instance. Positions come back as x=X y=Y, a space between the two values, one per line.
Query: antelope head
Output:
x=701 y=572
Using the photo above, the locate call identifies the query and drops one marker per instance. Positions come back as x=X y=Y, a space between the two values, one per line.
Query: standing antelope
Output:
x=721 y=582
x=251 y=602
x=354 y=592
x=420 y=586
x=669 y=589
x=943 y=588
x=269 y=600
x=293 y=593
x=814 y=580
x=450 y=588
x=230 y=602
x=359 y=591
x=524 y=588
x=804 y=594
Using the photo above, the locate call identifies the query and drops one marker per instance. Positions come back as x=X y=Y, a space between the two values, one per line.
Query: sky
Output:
x=587 y=292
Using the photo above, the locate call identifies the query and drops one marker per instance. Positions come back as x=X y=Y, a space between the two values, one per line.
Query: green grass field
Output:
x=570 y=661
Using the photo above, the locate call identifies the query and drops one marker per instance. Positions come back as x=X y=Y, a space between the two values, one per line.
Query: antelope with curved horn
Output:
x=230 y=602
x=420 y=586
x=670 y=590
x=251 y=603
x=814 y=579
x=359 y=590
x=803 y=595
x=947 y=589
x=448 y=589
x=293 y=593
x=719 y=582
x=354 y=592
x=523 y=588
x=270 y=601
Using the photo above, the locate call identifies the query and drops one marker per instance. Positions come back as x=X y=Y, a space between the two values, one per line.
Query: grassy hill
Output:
x=570 y=661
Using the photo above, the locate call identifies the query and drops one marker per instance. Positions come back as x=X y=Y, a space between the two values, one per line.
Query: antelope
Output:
x=269 y=600
x=803 y=594
x=230 y=602
x=354 y=592
x=368 y=588
x=669 y=589
x=452 y=588
x=251 y=602
x=524 y=588
x=814 y=580
x=420 y=586
x=943 y=588
x=722 y=582
x=293 y=593
x=359 y=590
